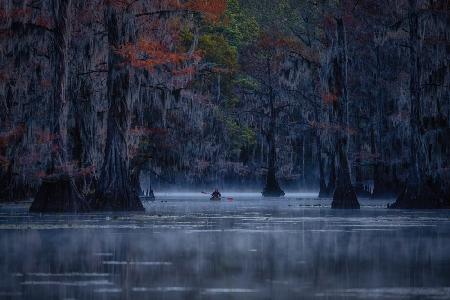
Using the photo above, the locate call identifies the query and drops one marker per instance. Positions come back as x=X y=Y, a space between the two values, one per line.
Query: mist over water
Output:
x=227 y=194
x=243 y=247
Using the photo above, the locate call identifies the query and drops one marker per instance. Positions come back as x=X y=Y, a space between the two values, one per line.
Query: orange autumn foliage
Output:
x=117 y=3
x=148 y=54
x=269 y=41
x=301 y=49
x=187 y=71
x=211 y=9
x=24 y=15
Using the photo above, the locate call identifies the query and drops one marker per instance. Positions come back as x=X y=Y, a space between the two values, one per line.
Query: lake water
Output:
x=244 y=247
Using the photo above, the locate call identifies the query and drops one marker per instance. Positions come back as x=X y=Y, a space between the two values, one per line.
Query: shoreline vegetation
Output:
x=101 y=101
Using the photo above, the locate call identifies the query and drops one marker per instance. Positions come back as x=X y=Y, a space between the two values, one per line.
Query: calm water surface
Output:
x=187 y=247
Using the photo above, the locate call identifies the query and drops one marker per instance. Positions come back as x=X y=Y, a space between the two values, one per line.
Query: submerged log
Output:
x=58 y=194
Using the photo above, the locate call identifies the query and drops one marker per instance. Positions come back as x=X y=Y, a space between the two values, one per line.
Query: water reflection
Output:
x=248 y=248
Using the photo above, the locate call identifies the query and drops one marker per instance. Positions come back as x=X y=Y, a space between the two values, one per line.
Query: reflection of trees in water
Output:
x=273 y=251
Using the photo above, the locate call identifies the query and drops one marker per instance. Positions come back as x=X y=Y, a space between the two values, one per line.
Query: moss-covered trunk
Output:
x=115 y=190
x=344 y=195
x=420 y=191
x=58 y=192
x=272 y=188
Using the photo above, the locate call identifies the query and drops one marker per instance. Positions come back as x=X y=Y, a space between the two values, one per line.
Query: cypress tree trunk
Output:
x=344 y=195
x=381 y=187
x=58 y=192
x=115 y=191
x=272 y=188
x=358 y=170
x=12 y=185
x=332 y=177
x=323 y=191
x=375 y=140
x=378 y=190
x=419 y=192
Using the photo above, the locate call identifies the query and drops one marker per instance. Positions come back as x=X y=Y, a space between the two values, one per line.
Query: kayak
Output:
x=215 y=198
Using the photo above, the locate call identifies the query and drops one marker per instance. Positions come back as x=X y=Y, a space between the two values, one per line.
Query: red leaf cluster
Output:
x=299 y=48
x=329 y=98
x=149 y=54
x=211 y=9
x=143 y=131
x=11 y=135
x=45 y=137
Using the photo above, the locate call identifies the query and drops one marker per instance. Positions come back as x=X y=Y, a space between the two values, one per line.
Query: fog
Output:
x=187 y=247
x=227 y=194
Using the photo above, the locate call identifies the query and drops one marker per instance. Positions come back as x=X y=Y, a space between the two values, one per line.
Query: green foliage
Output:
x=215 y=47
x=219 y=51
x=247 y=82
x=289 y=17
x=186 y=37
x=239 y=26
x=232 y=102
x=221 y=42
x=268 y=13
x=240 y=136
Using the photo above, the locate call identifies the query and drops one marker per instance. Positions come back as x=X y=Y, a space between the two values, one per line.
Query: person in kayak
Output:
x=216 y=194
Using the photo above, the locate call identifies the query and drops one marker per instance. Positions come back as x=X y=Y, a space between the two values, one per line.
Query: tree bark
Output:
x=323 y=192
x=419 y=192
x=272 y=188
x=344 y=195
x=13 y=187
x=61 y=187
x=332 y=177
x=115 y=191
x=57 y=192
x=381 y=187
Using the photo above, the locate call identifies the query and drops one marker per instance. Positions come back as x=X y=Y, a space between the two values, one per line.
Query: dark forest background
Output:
x=346 y=97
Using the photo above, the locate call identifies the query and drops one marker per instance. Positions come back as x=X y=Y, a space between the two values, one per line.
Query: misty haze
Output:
x=248 y=247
